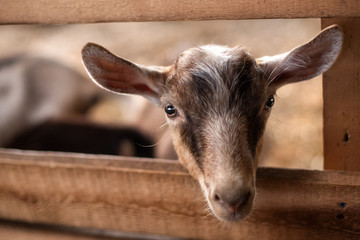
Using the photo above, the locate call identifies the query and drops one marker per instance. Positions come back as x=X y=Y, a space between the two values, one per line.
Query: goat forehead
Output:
x=217 y=64
x=215 y=77
x=209 y=54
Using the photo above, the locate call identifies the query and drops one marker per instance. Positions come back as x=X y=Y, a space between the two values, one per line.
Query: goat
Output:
x=82 y=136
x=34 y=89
x=217 y=101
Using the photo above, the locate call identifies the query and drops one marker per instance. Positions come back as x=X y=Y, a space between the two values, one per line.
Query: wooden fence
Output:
x=85 y=193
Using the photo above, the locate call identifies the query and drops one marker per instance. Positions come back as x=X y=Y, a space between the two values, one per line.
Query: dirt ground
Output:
x=294 y=132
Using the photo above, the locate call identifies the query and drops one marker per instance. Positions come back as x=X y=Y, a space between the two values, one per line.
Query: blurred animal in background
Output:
x=33 y=90
x=217 y=101
x=83 y=136
x=38 y=101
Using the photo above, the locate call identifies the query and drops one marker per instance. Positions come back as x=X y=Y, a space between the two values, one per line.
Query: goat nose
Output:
x=233 y=202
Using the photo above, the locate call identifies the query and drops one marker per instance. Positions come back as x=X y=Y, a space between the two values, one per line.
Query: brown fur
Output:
x=218 y=102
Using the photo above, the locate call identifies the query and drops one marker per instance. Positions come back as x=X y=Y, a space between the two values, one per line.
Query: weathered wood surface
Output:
x=159 y=197
x=86 y=11
x=12 y=230
x=341 y=90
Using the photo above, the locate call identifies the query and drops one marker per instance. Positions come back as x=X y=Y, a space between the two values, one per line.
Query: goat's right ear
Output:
x=122 y=76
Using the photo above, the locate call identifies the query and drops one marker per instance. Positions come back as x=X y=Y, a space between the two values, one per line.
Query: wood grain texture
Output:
x=341 y=90
x=31 y=231
x=159 y=197
x=35 y=232
x=89 y=11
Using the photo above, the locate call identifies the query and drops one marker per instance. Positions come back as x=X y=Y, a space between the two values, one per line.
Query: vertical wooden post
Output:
x=341 y=92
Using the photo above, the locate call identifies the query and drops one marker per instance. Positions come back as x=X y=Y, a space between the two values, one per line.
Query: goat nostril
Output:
x=234 y=203
x=246 y=199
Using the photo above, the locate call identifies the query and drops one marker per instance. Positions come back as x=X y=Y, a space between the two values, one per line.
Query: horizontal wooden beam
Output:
x=159 y=197
x=32 y=231
x=89 y=11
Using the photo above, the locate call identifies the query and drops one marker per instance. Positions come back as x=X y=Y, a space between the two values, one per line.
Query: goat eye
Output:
x=171 y=111
x=270 y=103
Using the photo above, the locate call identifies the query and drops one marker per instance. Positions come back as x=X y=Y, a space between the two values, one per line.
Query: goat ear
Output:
x=122 y=76
x=306 y=61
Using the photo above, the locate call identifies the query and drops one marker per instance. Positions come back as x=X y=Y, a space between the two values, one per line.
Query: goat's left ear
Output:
x=304 y=62
x=122 y=76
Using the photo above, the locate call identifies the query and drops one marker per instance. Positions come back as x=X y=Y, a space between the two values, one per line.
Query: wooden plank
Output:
x=30 y=231
x=159 y=197
x=341 y=88
x=34 y=232
x=88 y=11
